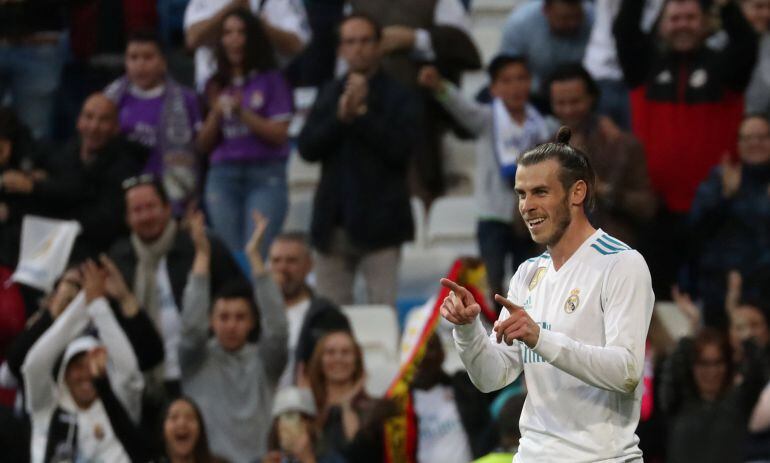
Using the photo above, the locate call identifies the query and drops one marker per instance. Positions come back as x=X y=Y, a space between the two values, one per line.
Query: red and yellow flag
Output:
x=401 y=430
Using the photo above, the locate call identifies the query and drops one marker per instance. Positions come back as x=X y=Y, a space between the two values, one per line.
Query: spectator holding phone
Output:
x=294 y=437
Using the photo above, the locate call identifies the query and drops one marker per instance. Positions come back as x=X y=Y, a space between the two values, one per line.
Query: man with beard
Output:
x=309 y=316
x=679 y=86
x=625 y=202
x=576 y=320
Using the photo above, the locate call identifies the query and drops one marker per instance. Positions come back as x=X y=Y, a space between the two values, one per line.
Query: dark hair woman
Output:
x=246 y=132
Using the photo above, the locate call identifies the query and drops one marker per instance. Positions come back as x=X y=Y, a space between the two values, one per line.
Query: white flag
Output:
x=46 y=245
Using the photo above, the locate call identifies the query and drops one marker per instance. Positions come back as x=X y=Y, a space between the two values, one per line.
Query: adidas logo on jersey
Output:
x=527 y=354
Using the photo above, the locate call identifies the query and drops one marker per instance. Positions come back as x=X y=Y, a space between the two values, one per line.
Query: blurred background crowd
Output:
x=266 y=193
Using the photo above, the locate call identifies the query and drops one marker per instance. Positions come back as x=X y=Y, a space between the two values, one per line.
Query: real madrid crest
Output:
x=98 y=432
x=572 y=301
x=536 y=277
x=257 y=100
x=698 y=78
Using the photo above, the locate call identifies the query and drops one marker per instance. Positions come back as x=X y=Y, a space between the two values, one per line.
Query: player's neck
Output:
x=578 y=231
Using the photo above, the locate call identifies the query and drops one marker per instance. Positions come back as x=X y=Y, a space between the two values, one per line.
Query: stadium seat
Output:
x=488 y=40
x=460 y=165
x=452 y=224
x=304 y=97
x=376 y=329
x=300 y=212
x=673 y=320
x=421 y=270
x=418 y=216
x=302 y=176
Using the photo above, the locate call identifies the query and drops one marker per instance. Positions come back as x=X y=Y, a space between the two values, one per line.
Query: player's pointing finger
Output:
x=507 y=304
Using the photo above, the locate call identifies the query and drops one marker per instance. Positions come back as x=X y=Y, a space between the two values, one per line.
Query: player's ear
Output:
x=578 y=193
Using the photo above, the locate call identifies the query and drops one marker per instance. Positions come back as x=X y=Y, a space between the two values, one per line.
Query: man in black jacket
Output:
x=82 y=182
x=309 y=316
x=679 y=85
x=362 y=129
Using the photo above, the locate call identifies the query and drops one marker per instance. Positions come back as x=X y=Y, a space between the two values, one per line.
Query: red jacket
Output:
x=89 y=21
x=685 y=109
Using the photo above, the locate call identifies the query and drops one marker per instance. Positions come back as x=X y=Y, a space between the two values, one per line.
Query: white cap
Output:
x=294 y=399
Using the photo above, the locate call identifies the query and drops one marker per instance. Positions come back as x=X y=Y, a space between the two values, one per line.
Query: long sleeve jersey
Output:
x=584 y=374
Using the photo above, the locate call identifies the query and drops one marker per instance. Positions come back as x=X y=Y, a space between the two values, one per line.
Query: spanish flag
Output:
x=401 y=430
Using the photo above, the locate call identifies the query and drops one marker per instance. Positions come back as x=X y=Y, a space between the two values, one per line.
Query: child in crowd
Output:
x=161 y=114
x=506 y=128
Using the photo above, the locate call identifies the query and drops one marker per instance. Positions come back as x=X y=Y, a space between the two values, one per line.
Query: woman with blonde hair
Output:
x=336 y=377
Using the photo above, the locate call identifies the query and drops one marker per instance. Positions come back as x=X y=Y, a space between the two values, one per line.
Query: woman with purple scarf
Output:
x=250 y=106
x=162 y=115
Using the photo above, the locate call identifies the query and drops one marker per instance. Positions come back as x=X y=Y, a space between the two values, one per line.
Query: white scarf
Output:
x=511 y=139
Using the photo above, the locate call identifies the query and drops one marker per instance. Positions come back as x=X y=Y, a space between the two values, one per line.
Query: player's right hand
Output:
x=459 y=307
x=429 y=78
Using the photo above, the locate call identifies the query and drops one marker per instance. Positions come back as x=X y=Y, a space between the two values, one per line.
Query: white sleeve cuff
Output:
x=547 y=345
x=423 y=46
x=99 y=308
x=467 y=334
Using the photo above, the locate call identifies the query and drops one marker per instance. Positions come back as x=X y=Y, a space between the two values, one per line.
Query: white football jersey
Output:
x=584 y=375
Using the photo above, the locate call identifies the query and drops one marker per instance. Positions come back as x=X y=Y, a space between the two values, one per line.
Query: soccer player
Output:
x=576 y=321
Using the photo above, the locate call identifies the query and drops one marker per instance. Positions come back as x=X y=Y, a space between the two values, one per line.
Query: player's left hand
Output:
x=519 y=326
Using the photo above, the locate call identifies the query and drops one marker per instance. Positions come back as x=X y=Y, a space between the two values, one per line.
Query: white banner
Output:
x=46 y=245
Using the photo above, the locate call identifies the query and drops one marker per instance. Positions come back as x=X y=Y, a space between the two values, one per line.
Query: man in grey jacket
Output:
x=232 y=379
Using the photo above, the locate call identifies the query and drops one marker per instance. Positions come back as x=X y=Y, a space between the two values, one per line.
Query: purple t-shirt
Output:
x=140 y=121
x=267 y=95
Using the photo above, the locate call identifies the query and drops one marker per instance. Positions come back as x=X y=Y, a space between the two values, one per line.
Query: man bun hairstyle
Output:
x=574 y=163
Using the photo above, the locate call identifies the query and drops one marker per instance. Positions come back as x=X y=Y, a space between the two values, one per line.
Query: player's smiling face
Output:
x=543 y=202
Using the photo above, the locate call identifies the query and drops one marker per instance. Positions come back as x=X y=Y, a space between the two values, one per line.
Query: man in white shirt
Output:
x=576 y=321
x=309 y=316
x=285 y=23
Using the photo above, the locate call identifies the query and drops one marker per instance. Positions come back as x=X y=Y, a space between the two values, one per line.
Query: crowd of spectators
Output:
x=185 y=326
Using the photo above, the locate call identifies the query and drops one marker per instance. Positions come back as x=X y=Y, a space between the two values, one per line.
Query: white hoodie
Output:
x=96 y=440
